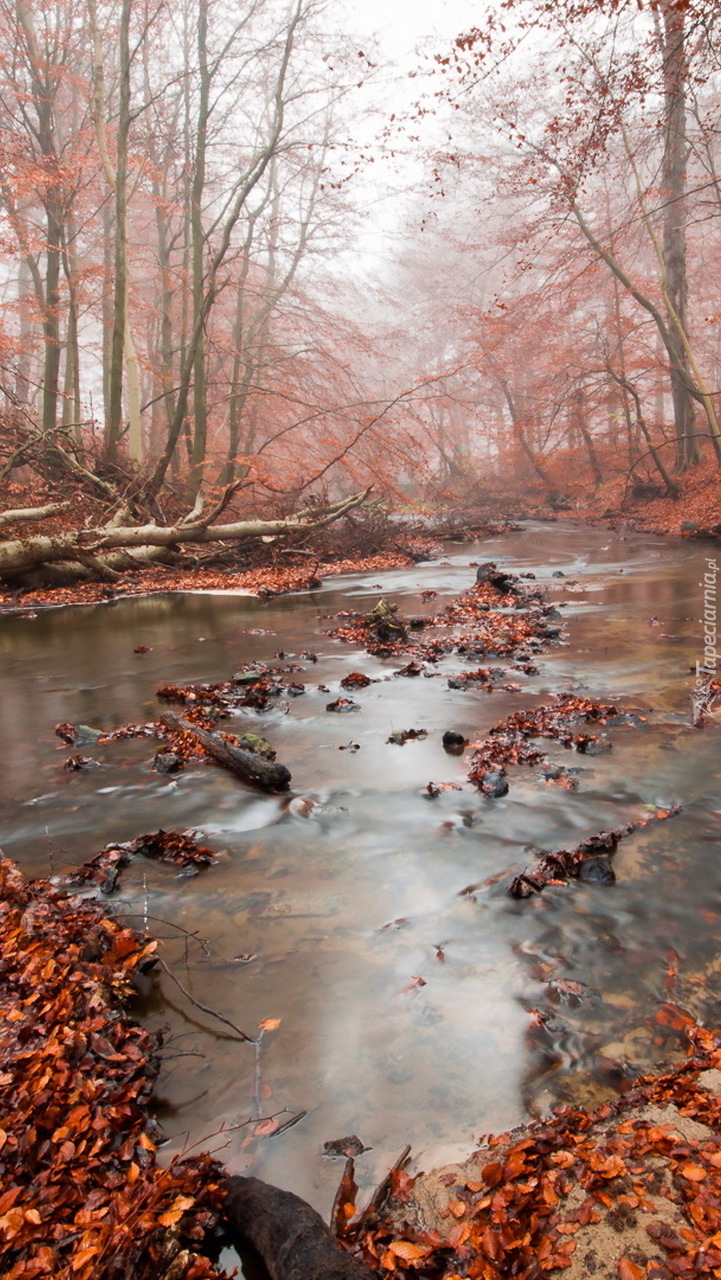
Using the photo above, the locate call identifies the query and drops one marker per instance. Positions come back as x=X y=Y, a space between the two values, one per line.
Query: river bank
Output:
x=82 y=1195
x=694 y=512
x=261 y=582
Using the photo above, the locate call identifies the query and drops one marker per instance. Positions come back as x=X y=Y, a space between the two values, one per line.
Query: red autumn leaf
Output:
x=407 y=1251
x=628 y=1270
x=265 y=1127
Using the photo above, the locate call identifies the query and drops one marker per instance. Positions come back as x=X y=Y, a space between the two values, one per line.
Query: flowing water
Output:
x=349 y=894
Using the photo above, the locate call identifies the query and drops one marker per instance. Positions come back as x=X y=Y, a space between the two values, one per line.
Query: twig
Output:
x=184 y=1053
x=256 y=1074
x=202 y=942
x=204 y=1008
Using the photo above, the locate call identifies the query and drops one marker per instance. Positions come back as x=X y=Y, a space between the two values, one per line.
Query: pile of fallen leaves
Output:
x=103 y=871
x=588 y=860
x=512 y=741
x=253 y=688
x=481 y=622
x=81 y=1195
x=631 y=1190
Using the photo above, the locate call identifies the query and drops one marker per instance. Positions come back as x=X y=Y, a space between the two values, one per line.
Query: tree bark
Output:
x=200 y=402
x=250 y=768
x=673 y=186
x=291 y=1238
x=123 y=547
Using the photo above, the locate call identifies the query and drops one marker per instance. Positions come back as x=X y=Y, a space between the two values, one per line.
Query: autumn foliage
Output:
x=82 y=1195
x=631 y=1190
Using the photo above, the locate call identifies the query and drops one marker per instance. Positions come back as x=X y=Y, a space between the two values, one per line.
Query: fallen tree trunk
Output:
x=246 y=765
x=111 y=549
x=290 y=1237
x=30 y=515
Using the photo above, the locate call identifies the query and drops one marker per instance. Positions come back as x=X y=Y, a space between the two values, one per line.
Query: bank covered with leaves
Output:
x=81 y=1194
x=630 y=1191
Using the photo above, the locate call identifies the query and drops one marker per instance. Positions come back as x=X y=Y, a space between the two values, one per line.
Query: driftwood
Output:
x=109 y=550
x=291 y=1238
x=246 y=765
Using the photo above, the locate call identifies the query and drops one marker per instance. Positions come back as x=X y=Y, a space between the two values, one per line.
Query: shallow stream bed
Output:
x=411 y=1010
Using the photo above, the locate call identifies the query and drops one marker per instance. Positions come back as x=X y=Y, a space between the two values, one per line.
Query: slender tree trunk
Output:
x=51 y=318
x=673 y=185
x=579 y=421
x=22 y=376
x=123 y=370
x=120 y=295
x=44 y=88
x=200 y=407
x=71 y=386
x=522 y=438
x=107 y=304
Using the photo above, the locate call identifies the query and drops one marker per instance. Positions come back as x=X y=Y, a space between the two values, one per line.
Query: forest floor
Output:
x=695 y=513
x=81 y=1194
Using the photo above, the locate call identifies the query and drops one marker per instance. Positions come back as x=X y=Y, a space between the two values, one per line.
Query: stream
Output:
x=405 y=997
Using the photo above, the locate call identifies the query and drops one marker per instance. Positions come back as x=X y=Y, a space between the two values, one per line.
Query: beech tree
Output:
x=606 y=83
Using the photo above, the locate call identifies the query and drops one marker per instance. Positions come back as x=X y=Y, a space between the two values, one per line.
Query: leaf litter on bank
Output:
x=631 y=1189
x=81 y=1195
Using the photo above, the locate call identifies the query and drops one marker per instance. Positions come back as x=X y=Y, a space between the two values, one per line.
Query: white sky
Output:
x=400 y=28
x=402 y=24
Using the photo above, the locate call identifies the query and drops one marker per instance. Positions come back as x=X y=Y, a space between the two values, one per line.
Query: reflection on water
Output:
x=340 y=902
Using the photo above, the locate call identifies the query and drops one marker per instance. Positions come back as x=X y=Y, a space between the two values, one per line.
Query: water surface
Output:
x=353 y=891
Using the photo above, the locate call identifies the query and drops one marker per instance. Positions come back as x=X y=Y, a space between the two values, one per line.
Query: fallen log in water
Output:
x=290 y=1237
x=246 y=765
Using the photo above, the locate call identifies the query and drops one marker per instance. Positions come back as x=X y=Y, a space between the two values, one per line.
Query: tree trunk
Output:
x=110 y=550
x=200 y=407
x=292 y=1239
x=25 y=344
x=113 y=426
x=673 y=187
x=246 y=765
x=123 y=368
x=520 y=434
